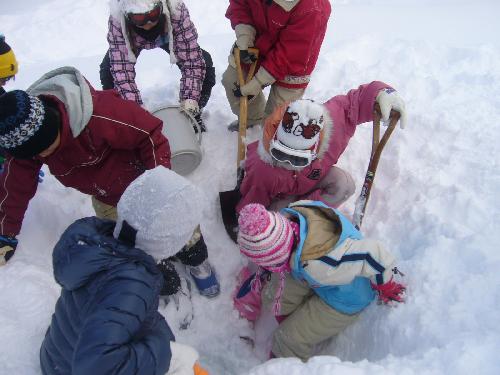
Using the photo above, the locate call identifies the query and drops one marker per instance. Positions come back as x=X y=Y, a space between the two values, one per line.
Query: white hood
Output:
x=164 y=208
x=119 y=8
x=70 y=87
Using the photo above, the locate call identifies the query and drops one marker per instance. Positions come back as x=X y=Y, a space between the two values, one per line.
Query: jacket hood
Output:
x=117 y=12
x=71 y=88
x=87 y=248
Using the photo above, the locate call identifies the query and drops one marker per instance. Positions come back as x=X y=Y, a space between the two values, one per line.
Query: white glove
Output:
x=261 y=79
x=190 y=106
x=183 y=359
x=245 y=36
x=389 y=99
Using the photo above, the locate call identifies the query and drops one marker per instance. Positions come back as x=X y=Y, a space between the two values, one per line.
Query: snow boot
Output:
x=205 y=279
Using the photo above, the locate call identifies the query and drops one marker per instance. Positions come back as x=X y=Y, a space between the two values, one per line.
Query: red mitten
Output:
x=390 y=291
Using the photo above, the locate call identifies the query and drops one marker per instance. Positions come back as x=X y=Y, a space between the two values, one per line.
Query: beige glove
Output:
x=190 y=106
x=389 y=99
x=261 y=79
x=245 y=36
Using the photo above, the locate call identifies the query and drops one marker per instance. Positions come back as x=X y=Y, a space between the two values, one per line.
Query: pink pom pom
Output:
x=254 y=219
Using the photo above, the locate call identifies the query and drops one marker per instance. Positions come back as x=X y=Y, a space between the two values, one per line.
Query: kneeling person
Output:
x=324 y=273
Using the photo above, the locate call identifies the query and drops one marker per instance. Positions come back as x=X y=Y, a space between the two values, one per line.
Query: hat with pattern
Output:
x=301 y=125
x=265 y=237
x=27 y=125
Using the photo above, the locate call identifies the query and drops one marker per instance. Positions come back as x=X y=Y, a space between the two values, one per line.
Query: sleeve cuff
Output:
x=243 y=29
x=264 y=77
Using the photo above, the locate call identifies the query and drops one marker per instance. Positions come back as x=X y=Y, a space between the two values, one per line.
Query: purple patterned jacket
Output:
x=187 y=54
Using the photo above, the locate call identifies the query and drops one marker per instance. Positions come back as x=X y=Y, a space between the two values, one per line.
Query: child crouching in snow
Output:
x=323 y=273
x=106 y=319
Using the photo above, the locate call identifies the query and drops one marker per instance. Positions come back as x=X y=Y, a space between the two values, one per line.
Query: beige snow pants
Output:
x=335 y=188
x=309 y=322
x=103 y=210
x=257 y=107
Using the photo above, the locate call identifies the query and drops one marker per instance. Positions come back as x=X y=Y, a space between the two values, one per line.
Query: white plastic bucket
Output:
x=184 y=142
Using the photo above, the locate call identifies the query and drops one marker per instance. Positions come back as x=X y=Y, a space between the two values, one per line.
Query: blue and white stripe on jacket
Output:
x=348 y=298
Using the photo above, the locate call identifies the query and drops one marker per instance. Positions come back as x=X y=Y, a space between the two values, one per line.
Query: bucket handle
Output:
x=193 y=120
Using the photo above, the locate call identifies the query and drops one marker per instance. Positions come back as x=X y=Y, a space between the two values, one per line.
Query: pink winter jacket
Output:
x=264 y=182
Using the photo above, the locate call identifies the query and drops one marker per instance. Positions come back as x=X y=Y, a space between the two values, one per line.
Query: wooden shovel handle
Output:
x=243 y=117
x=377 y=148
x=380 y=144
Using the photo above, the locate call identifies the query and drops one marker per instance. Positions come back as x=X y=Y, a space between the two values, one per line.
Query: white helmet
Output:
x=138 y=6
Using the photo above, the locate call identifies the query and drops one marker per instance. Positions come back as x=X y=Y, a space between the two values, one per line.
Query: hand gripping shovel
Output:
x=377 y=147
x=229 y=199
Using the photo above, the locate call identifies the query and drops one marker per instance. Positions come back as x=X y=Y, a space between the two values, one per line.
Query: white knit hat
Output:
x=301 y=124
x=164 y=208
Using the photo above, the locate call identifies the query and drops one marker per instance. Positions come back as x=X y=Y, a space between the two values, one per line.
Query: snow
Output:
x=433 y=202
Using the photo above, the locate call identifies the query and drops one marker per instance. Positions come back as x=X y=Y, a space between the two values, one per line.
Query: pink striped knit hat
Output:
x=265 y=237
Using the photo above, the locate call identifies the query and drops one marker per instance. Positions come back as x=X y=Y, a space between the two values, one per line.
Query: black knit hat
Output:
x=27 y=125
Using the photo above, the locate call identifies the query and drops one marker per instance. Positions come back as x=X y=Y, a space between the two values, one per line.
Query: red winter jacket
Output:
x=118 y=143
x=288 y=41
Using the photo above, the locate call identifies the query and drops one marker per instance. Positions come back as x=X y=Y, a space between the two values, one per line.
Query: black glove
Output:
x=194 y=255
x=171 y=279
x=7 y=248
x=237 y=92
x=247 y=57
x=201 y=124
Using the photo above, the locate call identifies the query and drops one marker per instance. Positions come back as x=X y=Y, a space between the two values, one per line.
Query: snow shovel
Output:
x=377 y=147
x=229 y=199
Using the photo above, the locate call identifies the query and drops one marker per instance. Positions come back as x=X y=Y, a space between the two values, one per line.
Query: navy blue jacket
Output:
x=106 y=320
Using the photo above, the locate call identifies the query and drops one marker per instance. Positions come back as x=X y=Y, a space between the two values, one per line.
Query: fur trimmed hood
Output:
x=117 y=12
x=274 y=120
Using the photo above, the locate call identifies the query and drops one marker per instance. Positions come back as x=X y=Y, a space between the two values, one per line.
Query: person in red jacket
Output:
x=93 y=141
x=288 y=35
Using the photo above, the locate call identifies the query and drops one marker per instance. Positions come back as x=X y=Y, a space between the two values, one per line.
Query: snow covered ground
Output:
x=434 y=200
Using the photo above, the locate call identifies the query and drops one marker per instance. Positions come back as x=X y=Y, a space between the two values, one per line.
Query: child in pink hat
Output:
x=323 y=273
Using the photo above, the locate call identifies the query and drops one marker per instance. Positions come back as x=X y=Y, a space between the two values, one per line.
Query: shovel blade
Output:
x=228 y=201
